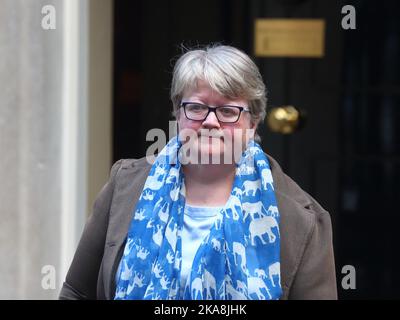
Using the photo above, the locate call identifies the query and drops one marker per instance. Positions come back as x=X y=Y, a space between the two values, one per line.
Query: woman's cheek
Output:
x=187 y=135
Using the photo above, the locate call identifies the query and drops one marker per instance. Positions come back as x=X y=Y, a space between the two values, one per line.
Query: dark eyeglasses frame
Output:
x=213 y=109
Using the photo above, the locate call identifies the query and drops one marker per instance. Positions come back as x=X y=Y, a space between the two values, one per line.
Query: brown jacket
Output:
x=307 y=260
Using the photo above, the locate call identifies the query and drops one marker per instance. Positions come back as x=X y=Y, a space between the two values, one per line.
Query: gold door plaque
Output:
x=295 y=38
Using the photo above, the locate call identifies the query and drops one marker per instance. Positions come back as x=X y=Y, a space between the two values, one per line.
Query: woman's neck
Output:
x=208 y=185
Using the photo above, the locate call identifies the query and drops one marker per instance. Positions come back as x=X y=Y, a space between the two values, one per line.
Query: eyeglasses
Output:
x=199 y=112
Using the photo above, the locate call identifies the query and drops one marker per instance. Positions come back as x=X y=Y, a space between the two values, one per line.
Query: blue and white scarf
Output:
x=238 y=260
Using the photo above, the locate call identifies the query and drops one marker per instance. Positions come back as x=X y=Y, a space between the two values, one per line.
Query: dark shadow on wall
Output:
x=348 y=154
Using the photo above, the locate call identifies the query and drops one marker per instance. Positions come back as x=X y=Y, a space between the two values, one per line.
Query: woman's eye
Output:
x=227 y=111
x=196 y=107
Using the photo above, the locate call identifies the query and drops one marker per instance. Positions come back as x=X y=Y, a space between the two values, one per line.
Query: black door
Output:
x=346 y=155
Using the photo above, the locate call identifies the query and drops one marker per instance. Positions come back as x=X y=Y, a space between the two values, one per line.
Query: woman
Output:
x=212 y=216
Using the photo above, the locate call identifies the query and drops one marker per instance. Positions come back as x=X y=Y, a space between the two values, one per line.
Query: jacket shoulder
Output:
x=288 y=189
x=143 y=162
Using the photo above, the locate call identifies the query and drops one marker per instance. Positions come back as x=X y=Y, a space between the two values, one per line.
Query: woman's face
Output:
x=212 y=141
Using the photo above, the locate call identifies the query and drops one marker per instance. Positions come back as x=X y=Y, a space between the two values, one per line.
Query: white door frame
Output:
x=87 y=121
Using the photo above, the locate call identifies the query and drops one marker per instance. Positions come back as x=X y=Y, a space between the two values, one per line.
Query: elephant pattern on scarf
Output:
x=239 y=259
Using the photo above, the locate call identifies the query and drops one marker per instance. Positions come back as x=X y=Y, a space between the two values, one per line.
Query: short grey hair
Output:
x=228 y=70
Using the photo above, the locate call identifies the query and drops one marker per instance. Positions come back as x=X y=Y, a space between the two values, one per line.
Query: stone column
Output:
x=31 y=77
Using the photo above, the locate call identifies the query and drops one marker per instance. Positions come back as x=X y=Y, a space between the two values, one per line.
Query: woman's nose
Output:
x=211 y=121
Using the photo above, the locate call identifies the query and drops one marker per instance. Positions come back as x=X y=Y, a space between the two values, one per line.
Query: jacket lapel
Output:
x=127 y=191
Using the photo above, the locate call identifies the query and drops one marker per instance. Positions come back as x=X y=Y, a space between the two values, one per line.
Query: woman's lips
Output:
x=210 y=139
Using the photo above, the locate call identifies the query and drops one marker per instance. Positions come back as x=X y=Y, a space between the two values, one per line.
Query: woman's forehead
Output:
x=203 y=90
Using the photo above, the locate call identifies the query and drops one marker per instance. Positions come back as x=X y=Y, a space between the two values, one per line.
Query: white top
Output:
x=197 y=223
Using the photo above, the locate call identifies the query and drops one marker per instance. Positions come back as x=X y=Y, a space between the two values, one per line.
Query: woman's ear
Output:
x=254 y=124
x=177 y=114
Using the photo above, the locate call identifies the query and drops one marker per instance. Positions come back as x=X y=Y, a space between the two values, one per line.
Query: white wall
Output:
x=47 y=125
